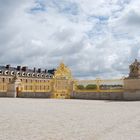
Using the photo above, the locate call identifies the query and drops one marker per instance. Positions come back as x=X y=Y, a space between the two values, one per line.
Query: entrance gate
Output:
x=62 y=82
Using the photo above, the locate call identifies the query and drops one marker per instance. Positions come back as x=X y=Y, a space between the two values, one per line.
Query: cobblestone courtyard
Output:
x=50 y=119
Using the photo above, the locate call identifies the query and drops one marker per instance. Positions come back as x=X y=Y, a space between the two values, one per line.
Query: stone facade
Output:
x=98 y=95
x=34 y=95
x=15 y=81
x=131 y=89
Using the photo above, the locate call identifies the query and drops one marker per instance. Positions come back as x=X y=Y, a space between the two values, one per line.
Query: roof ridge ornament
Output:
x=63 y=72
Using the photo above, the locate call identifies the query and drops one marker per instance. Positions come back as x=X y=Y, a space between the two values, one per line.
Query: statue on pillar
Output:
x=134 y=69
x=13 y=87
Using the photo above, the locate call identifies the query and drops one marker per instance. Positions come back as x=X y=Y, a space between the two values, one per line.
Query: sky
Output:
x=94 y=38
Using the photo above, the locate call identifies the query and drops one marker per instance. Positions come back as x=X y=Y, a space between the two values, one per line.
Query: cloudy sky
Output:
x=95 y=38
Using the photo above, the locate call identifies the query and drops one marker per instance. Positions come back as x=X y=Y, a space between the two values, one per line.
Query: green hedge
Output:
x=80 y=87
x=91 y=86
x=88 y=87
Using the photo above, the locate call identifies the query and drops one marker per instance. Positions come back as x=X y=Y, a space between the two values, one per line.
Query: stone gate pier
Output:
x=14 y=87
x=132 y=82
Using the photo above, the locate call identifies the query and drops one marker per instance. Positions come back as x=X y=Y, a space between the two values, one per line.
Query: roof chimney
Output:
x=24 y=68
x=45 y=71
x=7 y=66
x=39 y=70
x=18 y=68
x=34 y=69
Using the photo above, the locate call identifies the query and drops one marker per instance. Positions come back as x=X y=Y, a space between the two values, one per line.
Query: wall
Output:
x=97 y=95
x=132 y=95
x=35 y=88
x=132 y=84
x=3 y=94
x=34 y=95
x=131 y=89
x=3 y=86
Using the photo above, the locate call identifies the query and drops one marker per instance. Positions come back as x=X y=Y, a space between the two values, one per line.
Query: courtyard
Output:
x=51 y=119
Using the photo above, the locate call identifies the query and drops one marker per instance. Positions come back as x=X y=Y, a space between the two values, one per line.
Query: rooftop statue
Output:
x=15 y=78
x=134 y=69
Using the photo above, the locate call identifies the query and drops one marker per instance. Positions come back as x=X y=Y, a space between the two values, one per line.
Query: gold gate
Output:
x=62 y=82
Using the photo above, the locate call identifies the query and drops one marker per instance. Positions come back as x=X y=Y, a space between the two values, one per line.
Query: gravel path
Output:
x=50 y=119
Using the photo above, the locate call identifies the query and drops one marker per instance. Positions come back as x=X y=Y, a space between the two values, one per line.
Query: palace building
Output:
x=29 y=80
x=59 y=83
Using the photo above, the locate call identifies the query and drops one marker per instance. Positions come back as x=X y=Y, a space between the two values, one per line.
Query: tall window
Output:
x=3 y=80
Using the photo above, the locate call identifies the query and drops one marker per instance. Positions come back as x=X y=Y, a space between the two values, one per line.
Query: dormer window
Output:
x=6 y=72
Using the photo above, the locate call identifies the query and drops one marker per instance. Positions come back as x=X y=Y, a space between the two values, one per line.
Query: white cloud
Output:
x=95 y=38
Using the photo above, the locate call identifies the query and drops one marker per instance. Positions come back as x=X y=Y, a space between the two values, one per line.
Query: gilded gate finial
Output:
x=63 y=71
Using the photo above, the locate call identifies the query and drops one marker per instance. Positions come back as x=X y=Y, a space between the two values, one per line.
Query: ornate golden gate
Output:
x=63 y=83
